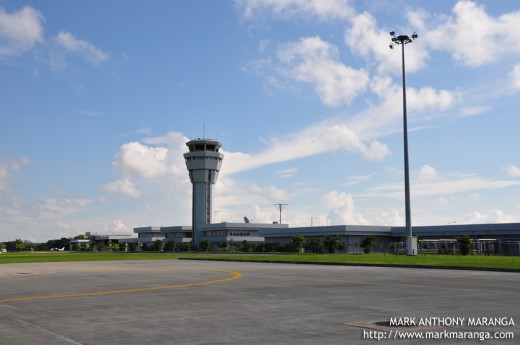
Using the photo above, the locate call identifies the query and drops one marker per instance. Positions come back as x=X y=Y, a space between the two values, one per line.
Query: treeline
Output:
x=20 y=245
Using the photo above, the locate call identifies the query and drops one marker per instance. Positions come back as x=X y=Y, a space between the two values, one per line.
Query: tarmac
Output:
x=208 y=302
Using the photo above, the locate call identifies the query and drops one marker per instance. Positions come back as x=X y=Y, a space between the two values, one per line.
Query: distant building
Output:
x=178 y=234
x=108 y=237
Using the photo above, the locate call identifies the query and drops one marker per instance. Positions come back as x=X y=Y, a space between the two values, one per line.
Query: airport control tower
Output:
x=203 y=162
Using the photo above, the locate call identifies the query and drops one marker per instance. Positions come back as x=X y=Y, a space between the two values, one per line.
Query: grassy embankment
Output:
x=508 y=262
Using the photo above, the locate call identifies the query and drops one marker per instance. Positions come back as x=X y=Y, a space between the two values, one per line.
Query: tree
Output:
x=169 y=246
x=204 y=245
x=122 y=246
x=297 y=241
x=245 y=246
x=271 y=246
x=81 y=237
x=132 y=246
x=366 y=243
x=313 y=245
x=19 y=244
x=186 y=246
x=332 y=243
x=465 y=244
x=101 y=247
x=224 y=246
x=157 y=245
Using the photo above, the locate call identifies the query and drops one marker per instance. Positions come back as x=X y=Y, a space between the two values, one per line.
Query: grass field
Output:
x=508 y=262
x=503 y=262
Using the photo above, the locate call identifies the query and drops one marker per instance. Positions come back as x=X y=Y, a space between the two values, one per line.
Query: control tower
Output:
x=203 y=163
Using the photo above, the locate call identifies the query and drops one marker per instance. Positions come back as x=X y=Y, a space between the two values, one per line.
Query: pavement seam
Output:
x=48 y=331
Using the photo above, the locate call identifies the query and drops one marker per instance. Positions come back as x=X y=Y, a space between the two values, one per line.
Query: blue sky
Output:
x=98 y=99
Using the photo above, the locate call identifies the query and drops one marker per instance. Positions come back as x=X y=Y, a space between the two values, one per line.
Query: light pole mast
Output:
x=411 y=242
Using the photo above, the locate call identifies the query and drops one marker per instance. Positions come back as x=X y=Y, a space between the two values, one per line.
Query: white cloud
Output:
x=55 y=208
x=85 y=50
x=386 y=118
x=123 y=187
x=20 y=31
x=391 y=218
x=516 y=76
x=270 y=193
x=8 y=171
x=474 y=110
x=312 y=60
x=513 y=171
x=286 y=9
x=418 y=100
x=393 y=172
x=475 y=37
x=286 y=173
x=493 y=216
x=118 y=226
x=358 y=179
x=154 y=171
x=103 y=199
x=29 y=219
x=427 y=173
x=341 y=209
x=316 y=139
x=428 y=182
x=474 y=197
x=136 y=159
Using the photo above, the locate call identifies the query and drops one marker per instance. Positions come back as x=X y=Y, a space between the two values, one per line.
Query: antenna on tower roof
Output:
x=203 y=130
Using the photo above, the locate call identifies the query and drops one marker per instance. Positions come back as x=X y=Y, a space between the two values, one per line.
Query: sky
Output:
x=98 y=98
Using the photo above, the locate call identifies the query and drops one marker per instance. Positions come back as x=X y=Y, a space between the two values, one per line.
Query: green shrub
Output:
x=297 y=242
x=170 y=246
x=366 y=243
x=245 y=246
x=101 y=247
x=186 y=247
x=157 y=245
x=465 y=244
x=332 y=243
x=132 y=246
x=122 y=246
x=204 y=245
x=313 y=245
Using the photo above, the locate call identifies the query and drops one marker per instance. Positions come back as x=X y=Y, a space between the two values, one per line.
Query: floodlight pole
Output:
x=411 y=242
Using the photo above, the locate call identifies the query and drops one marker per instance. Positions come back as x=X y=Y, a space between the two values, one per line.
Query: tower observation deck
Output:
x=203 y=162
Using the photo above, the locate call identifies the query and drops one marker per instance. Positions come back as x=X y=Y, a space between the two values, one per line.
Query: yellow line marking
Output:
x=112 y=269
x=235 y=275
